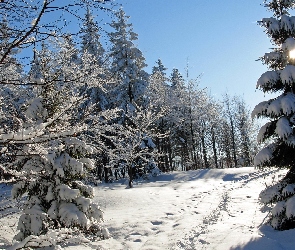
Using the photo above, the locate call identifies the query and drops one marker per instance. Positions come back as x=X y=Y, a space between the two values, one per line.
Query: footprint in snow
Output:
x=156 y=223
x=135 y=234
x=203 y=242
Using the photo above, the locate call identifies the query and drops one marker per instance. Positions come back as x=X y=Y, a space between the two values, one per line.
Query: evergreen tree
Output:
x=55 y=161
x=159 y=68
x=158 y=93
x=91 y=39
x=127 y=64
x=281 y=112
x=177 y=81
x=93 y=55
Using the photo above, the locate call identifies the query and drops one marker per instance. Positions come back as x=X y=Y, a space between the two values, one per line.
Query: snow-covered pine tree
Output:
x=159 y=67
x=177 y=100
x=127 y=65
x=158 y=94
x=55 y=160
x=93 y=56
x=177 y=81
x=91 y=39
x=281 y=112
x=128 y=95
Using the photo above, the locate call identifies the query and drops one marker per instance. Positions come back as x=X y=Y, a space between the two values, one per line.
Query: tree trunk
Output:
x=214 y=147
x=204 y=150
x=233 y=142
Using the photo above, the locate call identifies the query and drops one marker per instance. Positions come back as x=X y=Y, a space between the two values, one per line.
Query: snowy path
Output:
x=229 y=217
x=203 y=209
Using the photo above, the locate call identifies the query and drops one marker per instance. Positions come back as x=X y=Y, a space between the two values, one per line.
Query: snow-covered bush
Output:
x=57 y=198
x=281 y=112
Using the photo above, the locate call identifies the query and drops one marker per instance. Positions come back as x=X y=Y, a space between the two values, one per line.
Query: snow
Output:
x=286 y=23
x=272 y=24
x=272 y=56
x=260 y=109
x=288 y=74
x=262 y=131
x=289 y=44
x=288 y=103
x=264 y=155
x=283 y=104
x=283 y=128
x=70 y=215
x=66 y=193
x=274 y=107
x=201 y=209
x=268 y=78
x=290 y=207
x=279 y=208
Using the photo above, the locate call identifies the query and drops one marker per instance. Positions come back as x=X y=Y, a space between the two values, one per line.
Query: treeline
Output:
x=137 y=121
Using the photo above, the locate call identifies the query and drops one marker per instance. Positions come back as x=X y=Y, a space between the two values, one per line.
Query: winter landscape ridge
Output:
x=199 y=209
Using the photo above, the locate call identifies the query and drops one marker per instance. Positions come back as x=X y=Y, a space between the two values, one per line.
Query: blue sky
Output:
x=220 y=39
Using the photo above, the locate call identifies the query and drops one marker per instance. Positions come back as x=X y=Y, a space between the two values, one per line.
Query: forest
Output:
x=79 y=109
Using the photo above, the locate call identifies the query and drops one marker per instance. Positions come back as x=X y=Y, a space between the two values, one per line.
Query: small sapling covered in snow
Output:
x=56 y=196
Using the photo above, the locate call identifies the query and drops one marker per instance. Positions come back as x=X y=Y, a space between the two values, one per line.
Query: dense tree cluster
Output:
x=77 y=110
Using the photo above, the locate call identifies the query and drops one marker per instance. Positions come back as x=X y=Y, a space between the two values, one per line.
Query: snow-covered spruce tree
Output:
x=159 y=67
x=93 y=56
x=55 y=160
x=91 y=39
x=158 y=94
x=177 y=100
x=127 y=63
x=281 y=112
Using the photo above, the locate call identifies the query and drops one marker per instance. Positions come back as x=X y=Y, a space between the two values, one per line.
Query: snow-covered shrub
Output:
x=57 y=198
x=152 y=169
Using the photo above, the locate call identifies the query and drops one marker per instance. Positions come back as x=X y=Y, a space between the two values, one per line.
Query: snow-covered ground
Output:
x=202 y=209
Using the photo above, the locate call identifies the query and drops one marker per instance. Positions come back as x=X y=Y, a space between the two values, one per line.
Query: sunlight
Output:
x=292 y=54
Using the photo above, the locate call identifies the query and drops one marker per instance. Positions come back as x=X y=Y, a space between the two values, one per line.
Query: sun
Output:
x=292 y=54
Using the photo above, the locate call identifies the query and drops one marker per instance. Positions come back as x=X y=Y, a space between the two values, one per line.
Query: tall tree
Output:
x=91 y=39
x=230 y=114
x=158 y=92
x=54 y=159
x=159 y=68
x=245 y=126
x=280 y=111
x=127 y=64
